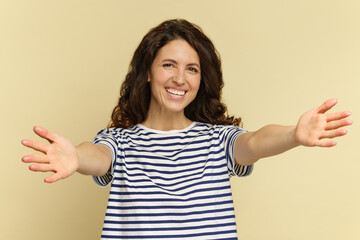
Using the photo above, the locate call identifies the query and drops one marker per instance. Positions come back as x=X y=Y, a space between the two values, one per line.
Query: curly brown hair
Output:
x=133 y=104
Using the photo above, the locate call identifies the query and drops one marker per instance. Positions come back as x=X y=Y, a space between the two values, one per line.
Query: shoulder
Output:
x=218 y=128
x=117 y=133
x=223 y=132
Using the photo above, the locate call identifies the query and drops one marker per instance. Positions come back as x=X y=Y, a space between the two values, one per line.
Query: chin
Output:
x=176 y=108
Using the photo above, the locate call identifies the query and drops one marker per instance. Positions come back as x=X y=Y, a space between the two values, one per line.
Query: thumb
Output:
x=44 y=133
x=327 y=105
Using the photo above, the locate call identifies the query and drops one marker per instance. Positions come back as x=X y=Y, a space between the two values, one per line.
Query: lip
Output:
x=176 y=88
x=173 y=96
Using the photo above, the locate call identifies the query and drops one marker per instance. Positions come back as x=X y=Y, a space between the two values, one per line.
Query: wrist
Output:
x=77 y=161
x=292 y=137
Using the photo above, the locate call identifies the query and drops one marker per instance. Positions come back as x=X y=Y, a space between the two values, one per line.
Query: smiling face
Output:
x=174 y=78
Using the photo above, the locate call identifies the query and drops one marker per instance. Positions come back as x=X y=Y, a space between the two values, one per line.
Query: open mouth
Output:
x=175 y=92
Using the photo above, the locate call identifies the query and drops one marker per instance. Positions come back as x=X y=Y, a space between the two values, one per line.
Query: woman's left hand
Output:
x=316 y=125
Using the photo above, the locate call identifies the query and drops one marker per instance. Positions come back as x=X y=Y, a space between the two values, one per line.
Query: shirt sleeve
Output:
x=228 y=135
x=107 y=138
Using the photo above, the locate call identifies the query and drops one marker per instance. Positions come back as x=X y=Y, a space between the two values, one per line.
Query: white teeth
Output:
x=175 y=92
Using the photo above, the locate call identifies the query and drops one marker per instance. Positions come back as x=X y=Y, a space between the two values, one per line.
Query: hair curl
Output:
x=133 y=104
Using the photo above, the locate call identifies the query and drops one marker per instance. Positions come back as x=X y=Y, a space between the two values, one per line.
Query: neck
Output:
x=166 y=121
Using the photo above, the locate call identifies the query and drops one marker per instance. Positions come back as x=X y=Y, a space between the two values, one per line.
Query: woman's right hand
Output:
x=59 y=156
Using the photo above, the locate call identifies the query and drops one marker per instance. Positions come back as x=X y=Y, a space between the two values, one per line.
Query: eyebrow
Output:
x=173 y=61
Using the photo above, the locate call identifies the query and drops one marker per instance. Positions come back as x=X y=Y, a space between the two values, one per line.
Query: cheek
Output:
x=157 y=81
x=195 y=86
x=162 y=77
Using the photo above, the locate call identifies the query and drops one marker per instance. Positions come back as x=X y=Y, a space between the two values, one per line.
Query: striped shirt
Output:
x=171 y=184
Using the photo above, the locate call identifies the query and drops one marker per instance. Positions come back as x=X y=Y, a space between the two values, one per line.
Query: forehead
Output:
x=178 y=50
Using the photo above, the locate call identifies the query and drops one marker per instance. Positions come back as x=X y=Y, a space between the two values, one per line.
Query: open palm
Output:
x=59 y=156
x=316 y=126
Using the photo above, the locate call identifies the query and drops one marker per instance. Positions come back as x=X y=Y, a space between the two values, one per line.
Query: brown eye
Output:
x=167 y=65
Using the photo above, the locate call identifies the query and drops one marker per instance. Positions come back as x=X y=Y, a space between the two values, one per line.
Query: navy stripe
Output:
x=218 y=210
x=127 y=186
x=147 y=180
x=172 y=221
x=177 y=164
x=169 y=229
x=170 y=194
x=169 y=199
x=177 y=151
x=168 y=236
x=178 y=159
x=195 y=176
x=194 y=171
x=172 y=207
x=172 y=145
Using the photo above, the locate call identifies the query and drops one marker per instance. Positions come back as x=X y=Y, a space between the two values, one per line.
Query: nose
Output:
x=179 y=77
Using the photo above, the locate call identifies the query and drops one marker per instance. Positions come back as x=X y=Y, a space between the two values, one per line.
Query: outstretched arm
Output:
x=63 y=158
x=314 y=128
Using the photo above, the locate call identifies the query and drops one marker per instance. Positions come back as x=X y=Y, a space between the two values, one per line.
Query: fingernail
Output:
x=47 y=180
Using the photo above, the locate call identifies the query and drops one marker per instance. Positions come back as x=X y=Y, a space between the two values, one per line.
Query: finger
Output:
x=41 y=168
x=323 y=143
x=42 y=132
x=41 y=147
x=337 y=115
x=334 y=133
x=328 y=104
x=338 y=124
x=35 y=159
x=53 y=178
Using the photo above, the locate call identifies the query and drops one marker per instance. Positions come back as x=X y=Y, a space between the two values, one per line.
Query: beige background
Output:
x=61 y=66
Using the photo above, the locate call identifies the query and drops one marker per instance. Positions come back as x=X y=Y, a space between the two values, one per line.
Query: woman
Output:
x=170 y=147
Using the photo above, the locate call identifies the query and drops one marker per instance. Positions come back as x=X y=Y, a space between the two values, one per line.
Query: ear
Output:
x=148 y=77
